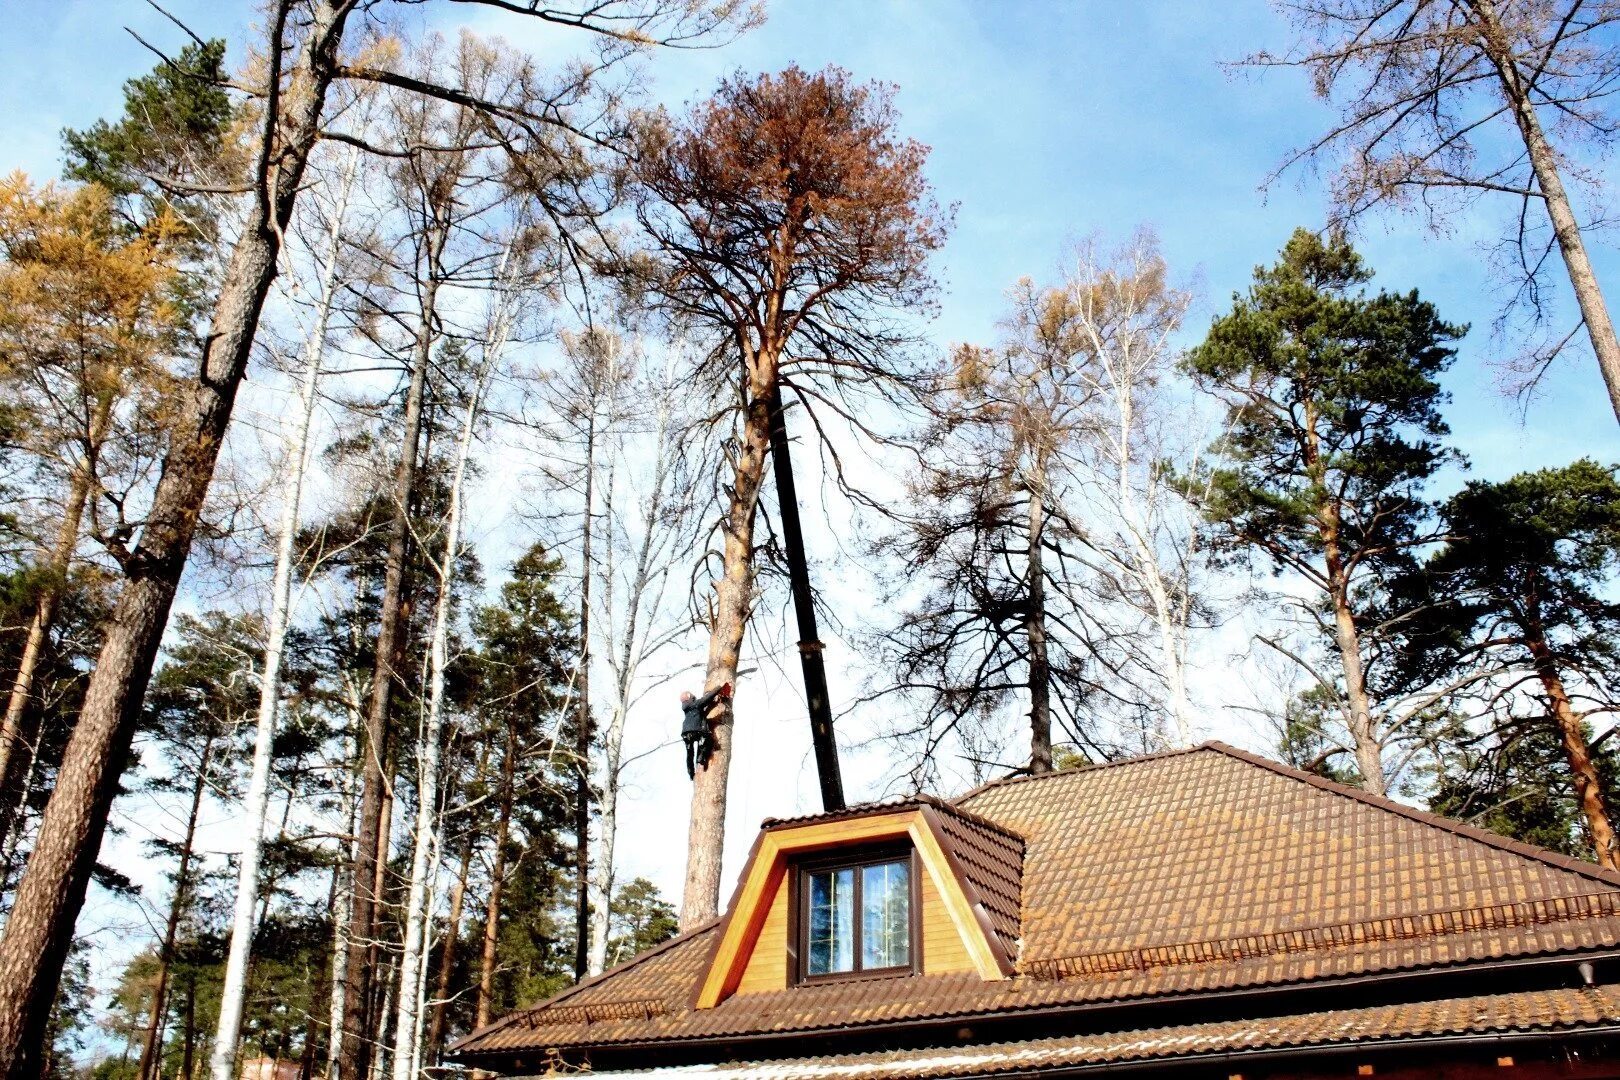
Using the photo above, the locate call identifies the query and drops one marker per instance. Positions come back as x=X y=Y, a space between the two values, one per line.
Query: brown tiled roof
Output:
x=1541 y=1011
x=991 y=862
x=1186 y=873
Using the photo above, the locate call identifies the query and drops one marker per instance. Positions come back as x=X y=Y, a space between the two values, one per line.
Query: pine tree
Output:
x=1521 y=590
x=1335 y=430
x=789 y=223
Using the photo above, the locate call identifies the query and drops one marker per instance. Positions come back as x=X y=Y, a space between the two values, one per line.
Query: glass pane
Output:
x=832 y=922
x=886 y=915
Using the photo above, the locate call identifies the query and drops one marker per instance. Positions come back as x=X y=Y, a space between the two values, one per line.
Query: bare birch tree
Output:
x=650 y=518
x=1141 y=535
x=323 y=299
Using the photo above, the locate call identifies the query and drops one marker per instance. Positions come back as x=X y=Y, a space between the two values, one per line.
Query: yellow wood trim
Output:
x=763 y=877
x=956 y=902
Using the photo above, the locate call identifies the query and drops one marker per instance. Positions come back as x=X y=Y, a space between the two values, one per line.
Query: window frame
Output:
x=799 y=935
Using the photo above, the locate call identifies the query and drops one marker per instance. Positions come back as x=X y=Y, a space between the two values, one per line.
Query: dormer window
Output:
x=857 y=915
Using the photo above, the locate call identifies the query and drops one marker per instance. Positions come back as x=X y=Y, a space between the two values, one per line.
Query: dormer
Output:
x=879 y=891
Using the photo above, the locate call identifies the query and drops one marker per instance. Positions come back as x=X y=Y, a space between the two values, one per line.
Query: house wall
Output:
x=943 y=949
x=768 y=965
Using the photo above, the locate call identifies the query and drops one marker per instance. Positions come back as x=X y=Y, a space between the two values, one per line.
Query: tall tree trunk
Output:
x=607 y=806
x=1544 y=161
x=39 y=931
x=602 y=873
x=1040 y=665
x=188 y=1039
x=582 y=728
x=733 y=603
x=497 y=881
x=1145 y=566
x=374 y=1067
x=420 y=990
x=1369 y=749
x=1347 y=638
x=389 y=659
x=343 y=875
x=414 y=951
x=1170 y=655
x=372 y=953
x=630 y=647
x=306 y=1060
x=313 y=1026
x=151 y=1063
x=811 y=663
x=20 y=728
x=1582 y=770
x=222 y=1062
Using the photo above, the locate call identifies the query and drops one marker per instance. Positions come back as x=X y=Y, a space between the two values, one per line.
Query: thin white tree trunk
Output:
x=631 y=653
x=345 y=898
x=601 y=880
x=412 y=967
x=390 y=987
x=222 y=1062
x=1133 y=358
x=423 y=964
x=1148 y=571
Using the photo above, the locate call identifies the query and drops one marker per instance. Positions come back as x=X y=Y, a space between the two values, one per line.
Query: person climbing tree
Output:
x=697 y=729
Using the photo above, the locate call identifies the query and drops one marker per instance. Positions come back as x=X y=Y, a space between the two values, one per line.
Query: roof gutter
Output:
x=1525 y=973
x=1371 y=1047
x=1361 y=1052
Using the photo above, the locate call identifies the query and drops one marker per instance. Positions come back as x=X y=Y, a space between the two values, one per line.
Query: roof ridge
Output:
x=891 y=805
x=586 y=983
x=1418 y=926
x=1422 y=817
x=871 y=806
x=1018 y=778
x=974 y=818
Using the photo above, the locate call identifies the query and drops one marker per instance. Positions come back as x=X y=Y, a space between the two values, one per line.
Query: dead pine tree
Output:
x=1426 y=89
x=788 y=224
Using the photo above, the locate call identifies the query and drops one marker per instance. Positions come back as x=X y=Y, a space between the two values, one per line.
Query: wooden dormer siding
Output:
x=960 y=930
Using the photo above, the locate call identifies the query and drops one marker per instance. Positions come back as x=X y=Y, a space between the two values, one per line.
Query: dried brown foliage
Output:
x=786 y=207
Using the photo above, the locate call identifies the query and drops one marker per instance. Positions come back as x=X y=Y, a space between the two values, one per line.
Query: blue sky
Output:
x=1049 y=121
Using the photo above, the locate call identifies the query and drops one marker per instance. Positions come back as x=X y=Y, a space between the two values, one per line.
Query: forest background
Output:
x=1047 y=123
